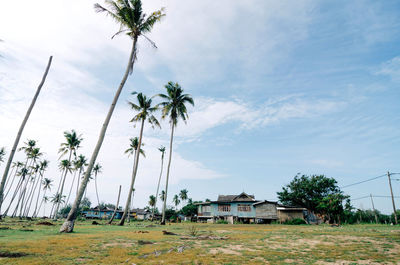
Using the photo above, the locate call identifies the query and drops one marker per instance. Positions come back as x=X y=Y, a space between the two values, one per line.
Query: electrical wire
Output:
x=360 y=182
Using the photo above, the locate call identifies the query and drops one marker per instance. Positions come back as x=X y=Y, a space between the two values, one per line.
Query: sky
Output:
x=280 y=88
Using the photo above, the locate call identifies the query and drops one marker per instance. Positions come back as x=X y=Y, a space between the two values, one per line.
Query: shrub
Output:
x=222 y=222
x=295 y=221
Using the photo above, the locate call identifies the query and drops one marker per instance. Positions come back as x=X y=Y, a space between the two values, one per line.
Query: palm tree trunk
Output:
x=68 y=225
x=166 y=184
x=135 y=167
x=95 y=184
x=116 y=207
x=19 y=185
x=37 y=198
x=70 y=190
x=31 y=197
x=12 y=182
x=40 y=206
x=158 y=186
x=62 y=186
x=21 y=128
x=12 y=173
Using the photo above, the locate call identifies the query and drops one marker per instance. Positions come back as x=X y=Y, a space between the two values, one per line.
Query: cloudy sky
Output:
x=280 y=87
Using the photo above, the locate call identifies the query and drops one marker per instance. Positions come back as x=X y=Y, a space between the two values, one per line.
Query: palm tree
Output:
x=183 y=195
x=174 y=108
x=16 y=165
x=96 y=170
x=162 y=195
x=145 y=113
x=65 y=167
x=43 y=166
x=176 y=201
x=133 y=145
x=73 y=142
x=162 y=150
x=152 y=201
x=18 y=137
x=47 y=183
x=81 y=164
x=129 y=15
x=2 y=154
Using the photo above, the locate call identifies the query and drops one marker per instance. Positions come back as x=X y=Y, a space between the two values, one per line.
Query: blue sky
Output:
x=280 y=87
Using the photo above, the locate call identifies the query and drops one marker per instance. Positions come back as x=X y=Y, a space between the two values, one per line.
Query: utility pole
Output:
x=391 y=193
x=373 y=208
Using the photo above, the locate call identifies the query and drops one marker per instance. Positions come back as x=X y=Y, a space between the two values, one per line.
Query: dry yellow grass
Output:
x=247 y=244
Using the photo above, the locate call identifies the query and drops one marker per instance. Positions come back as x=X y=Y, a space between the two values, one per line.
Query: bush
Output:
x=222 y=222
x=295 y=221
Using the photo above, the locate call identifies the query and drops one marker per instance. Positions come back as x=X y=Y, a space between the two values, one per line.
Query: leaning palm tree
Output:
x=134 y=23
x=176 y=201
x=162 y=150
x=145 y=109
x=65 y=167
x=174 y=108
x=18 y=137
x=96 y=170
x=183 y=195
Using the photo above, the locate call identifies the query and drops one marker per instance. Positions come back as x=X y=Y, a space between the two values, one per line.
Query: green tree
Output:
x=317 y=193
x=134 y=23
x=152 y=201
x=145 y=109
x=174 y=107
x=162 y=150
x=21 y=129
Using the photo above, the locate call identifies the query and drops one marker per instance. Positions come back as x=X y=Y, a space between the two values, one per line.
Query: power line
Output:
x=384 y=175
x=374 y=196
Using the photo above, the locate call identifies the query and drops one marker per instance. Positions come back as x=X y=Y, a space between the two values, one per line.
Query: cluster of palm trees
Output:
x=28 y=180
x=134 y=23
x=25 y=192
x=177 y=199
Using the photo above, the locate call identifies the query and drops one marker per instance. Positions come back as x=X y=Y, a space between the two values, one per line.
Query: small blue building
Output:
x=238 y=208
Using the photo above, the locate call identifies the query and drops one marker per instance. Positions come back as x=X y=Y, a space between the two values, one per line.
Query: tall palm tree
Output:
x=65 y=167
x=96 y=170
x=47 y=183
x=43 y=166
x=17 y=165
x=162 y=150
x=81 y=164
x=176 y=201
x=183 y=194
x=152 y=204
x=72 y=143
x=134 y=23
x=133 y=145
x=18 y=137
x=145 y=110
x=174 y=108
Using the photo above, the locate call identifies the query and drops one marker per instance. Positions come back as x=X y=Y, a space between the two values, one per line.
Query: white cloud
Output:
x=391 y=68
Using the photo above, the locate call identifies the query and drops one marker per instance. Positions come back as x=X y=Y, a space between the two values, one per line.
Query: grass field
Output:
x=144 y=243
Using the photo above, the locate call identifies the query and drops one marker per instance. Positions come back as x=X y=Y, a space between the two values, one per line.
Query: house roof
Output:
x=234 y=198
x=264 y=201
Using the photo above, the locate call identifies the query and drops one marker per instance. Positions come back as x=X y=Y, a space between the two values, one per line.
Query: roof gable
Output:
x=231 y=198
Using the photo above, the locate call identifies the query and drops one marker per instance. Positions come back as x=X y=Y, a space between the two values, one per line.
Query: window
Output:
x=244 y=208
x=224 y=208
x=206 y=208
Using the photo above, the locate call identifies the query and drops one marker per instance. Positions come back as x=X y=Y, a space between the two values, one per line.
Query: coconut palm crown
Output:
x=174 y=107
x=133 y=22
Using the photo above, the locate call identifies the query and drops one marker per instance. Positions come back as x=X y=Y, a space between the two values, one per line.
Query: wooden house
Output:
x=237 y=208
x=101 y=213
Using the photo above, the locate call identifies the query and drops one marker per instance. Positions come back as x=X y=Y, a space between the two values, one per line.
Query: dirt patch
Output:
x=5 y=228
x=8 y=254
x=118 y=244
x=224 y=251
x=345 y=262
x=45 y=223
x=144 y=242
